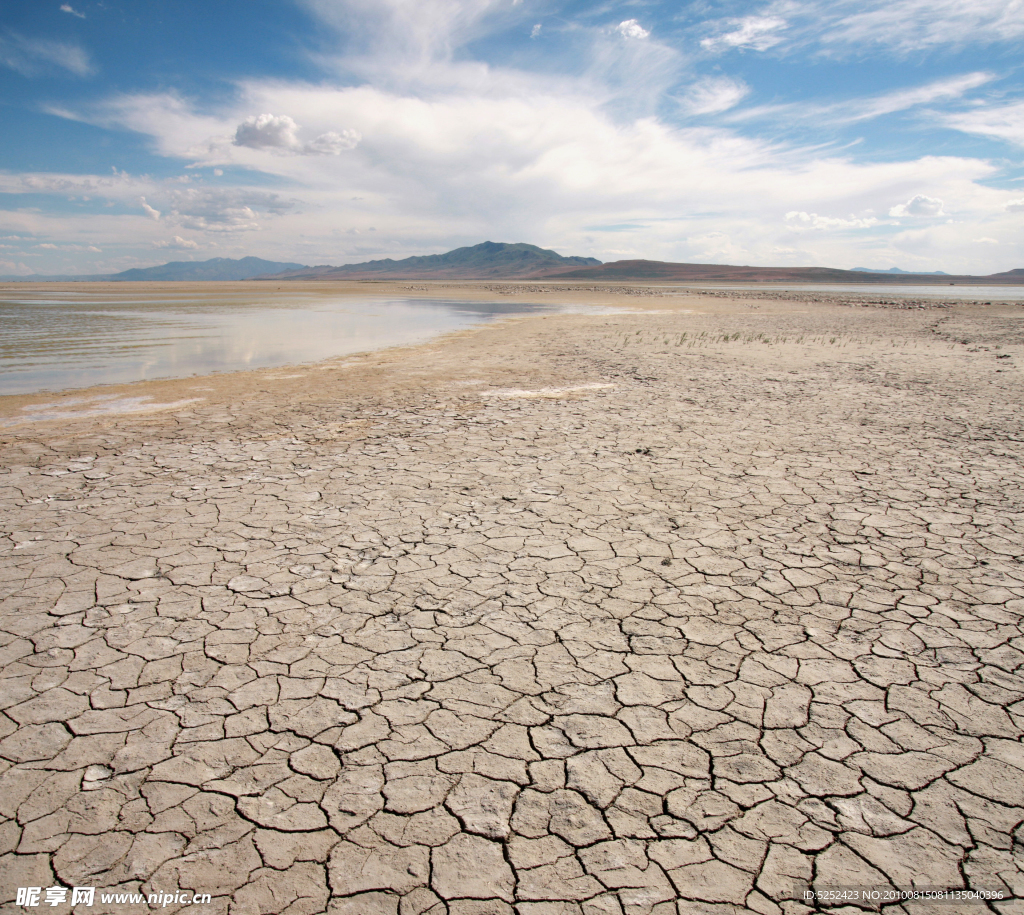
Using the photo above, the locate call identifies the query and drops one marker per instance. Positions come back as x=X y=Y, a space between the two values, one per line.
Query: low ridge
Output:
x=223 y=269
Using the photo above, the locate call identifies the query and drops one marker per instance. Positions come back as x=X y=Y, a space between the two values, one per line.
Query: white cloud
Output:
x=759 y=33
x=67 y=8
x=910 y=25
x=847 y=26
x=332 y=144
x=535 y=31
x=985 y=240
x=952 y=88
x=631 y=29
x=1003 y=122
x=279 y=133
x=15 y=268
x=383 y=34
x=539 y=165
x=268 y=131
x=177 y=242
x=1014 y=206
x=456 y=150
x=849 y=111
x=150 y=212
x=38 y=56
x=920 y=205
x=714 y=94
x=799 y=221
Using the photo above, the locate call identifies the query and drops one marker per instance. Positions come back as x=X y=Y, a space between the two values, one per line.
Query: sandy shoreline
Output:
x=662 y=611
x=160 y=395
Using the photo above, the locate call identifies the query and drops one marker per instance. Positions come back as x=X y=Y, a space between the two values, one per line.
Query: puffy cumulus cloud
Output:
x=632 y=29
x=268 y=131
x=279 y=133
x=799 y=220
x=919 y=205
x=177 y=242
x=714 y=94
x=759 y=33
x=39 y=56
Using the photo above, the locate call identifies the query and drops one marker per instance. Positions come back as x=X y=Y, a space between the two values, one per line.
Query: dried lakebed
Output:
x=585 y=615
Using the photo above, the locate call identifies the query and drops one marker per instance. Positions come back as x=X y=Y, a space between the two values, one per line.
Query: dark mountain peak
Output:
x=487 y=260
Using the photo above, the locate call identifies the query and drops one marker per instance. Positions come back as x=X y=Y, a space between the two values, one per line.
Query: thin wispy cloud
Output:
x=713 y=95
x=413 y=31
x=999 y=121
x=850 y=26
x=40 y=56
x=758 y=33
x=910 y=25
x=68 y=8
x=850 y=111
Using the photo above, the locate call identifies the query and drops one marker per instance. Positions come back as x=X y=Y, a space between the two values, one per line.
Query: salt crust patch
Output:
x=102 y=405
x=545 y=392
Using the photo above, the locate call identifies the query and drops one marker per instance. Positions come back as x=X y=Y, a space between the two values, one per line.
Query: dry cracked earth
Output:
x=566 y=616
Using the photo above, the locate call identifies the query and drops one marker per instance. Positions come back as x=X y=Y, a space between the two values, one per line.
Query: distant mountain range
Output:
x=489 y=260
x=897 y=270
x=497 y=261
x=660 y=271
x=218 y=268
x=500 y=261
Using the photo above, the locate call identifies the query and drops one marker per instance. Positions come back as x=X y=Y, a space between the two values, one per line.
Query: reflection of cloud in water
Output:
x=56 y=342
x=101 y=405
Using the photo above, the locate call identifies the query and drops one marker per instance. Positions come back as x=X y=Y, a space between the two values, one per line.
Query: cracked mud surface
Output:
x=566 y=616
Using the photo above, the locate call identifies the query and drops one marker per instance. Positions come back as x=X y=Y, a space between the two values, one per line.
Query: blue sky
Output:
x=815 y=132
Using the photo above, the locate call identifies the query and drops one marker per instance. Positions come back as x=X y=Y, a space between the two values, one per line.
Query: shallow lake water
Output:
x=61 y=339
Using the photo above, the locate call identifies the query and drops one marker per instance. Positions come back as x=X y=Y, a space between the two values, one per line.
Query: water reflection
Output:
x=78 y=338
